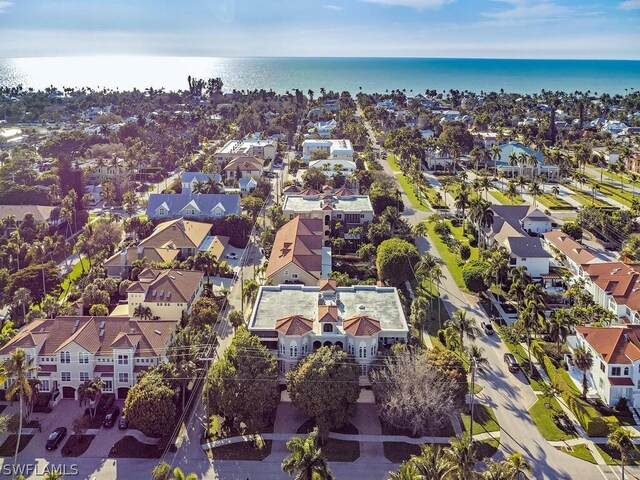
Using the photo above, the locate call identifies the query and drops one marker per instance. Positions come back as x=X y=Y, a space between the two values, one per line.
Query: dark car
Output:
x=511 y=362
x=55 y=438
x=123 y=423
x=111 y=417
x=488 y=328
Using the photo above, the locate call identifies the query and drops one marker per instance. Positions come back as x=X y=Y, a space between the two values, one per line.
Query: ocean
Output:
x=352 y=74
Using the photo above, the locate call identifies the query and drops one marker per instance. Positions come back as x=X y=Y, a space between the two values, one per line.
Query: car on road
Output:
x=271 y=175
x=511 y=362
x=111 y=417
x=55 y=438
x=488 y=328
x=232 y=255
x=123 y=423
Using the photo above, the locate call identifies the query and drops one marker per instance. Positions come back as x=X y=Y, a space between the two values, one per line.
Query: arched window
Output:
x=626 y=371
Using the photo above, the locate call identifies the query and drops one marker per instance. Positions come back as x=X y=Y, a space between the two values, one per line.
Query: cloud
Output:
x=417 y=4
x=335 y=8
x=4 y=6
x=629 y=5
x=525 y=12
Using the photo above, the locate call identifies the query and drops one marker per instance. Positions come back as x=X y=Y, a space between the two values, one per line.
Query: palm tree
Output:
x=560 y=324
x=249 y=291
x=485 y=183
x=464 y=325
x=516 y=466
x=142 y=312
x=460 y=456
x=22 y=297
x=621 y=440
x=420 y=309
x=306 y=460
x=583 y=360
x=461 y=203
x=513 y=161
x=512 y=190
x=53 y=474
x=89 y=393
x=436 y=276
x=496 y=471
x=534 y=191
x=236 y=319
x=477 y=353
x=430 y=464
x=522 y=183
x=531 y=318
x=407 y=471
x=18 y=369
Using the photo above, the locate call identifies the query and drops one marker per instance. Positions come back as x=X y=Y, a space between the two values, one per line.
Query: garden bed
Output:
x=398 y=452
x=242 y=451
x=309 y=425
x=130 y=447
x=543 y=418
x=8 y=448
x=76 y=445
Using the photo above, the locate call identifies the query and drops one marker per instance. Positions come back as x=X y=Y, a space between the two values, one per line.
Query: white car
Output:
x=232 y=255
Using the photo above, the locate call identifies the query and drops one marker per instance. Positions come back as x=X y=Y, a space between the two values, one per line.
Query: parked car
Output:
x=123 y=423
x=511 y=362
x=488 y=328
x=111 y=417
x=232 y=255
x=55 y=438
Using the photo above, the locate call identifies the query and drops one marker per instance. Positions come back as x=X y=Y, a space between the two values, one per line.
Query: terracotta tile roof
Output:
x=343 y=192
x=152 y=254
x=310 y=192
x=621 y=381
x=294 y=325
x=617 y=345
x=153 y=335
x=361 y=326
x=567 y=245
x=327 y=313
x=327 y=285
x=124 y=340
x=167 y=285
x=620 y=280
x=299 y=241
x=178 y=233
x=292 y=189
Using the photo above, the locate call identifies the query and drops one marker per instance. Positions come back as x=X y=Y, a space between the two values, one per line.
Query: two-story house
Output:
x=329 y=148
x=168 y=293
x=295 y=320
x=568 y=252
x=190 y=180
x=119 y=264
x=187 y=236
x=298 y=255
x=70 y=350
x=207 y=206
x=616 y=361
x=615 y=286
x=244 y=167
x=266 y=149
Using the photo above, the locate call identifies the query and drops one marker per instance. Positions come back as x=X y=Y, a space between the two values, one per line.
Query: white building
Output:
x=334 y=149
x=615 y=286
x=295 y=320
x=265 y=149
x=70 y=350
x=332 y=166
x=616 y=361
x=322 y=129
x=569 y=252
x=168 y=293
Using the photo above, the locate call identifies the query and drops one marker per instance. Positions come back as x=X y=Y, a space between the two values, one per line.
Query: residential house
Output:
x=615 y=373
x=199 y=206
x=189 y=180
x=244 y=167
x=333 y=166
x=351 y=210
x=333 y=149
x=517 y=228
x=614 y=127
x=247 y=185
x=185 y=235
x=633 y=163
x=41 y=213
x=615 y=286
x=295 y=320
x=119 y=264
x=265 y=149
x=98 y=172
x=530 y=163
x=168 y=293
x=70 y=350
x=322 y=129
x=487 y=139
x=298 y=255
x=569 y=252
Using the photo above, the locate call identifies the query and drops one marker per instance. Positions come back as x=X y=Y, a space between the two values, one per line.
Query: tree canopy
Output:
x=395 y=260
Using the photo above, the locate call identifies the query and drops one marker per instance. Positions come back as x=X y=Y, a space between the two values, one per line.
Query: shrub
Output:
x=622 y=405
x=442 y=229
x=473 y=276
x=465 y=252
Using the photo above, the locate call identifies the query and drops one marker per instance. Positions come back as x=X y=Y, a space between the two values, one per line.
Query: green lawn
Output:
x=580 y=451
x=408 y=189
x=393 y=162
x=484 y=420
x=553 y=202
x=73 y=275
x=617 y=177
x=453 y=260
x=587 y=199
x=543 y=418
x=613 y=192
x=612 y=456
x=504 y=200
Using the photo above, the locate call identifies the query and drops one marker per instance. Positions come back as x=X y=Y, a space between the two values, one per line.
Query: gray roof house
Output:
x=198 y=206
x=190 y=179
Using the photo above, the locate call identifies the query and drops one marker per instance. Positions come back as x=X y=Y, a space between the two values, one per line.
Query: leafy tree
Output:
x=81 y=424
x=243 y=384
x=306 y=460
x=93 y=296
x=32 y=278
x=203 y=312
x=150 y=406
x=473 y=274
x=324 y=385
x=253 y=205
x=465 y=252
x=395 y=260
x=449 y=364
x=572 y=229
x=412 y=393
x=314 y=178
x=99 y=310
x=236 y=319
x=457 y=137
x=384 y=193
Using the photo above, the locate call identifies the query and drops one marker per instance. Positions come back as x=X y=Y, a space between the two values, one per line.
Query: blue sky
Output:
x=386 y=28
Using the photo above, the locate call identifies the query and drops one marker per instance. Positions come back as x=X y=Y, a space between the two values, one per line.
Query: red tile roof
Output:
x=620 y=280
x=621 y=381
x=361 y=326
x=169 y=286
x=567 y=245
x=327 y=313
x=299 y=241
x=616 y=344
x=294 y=325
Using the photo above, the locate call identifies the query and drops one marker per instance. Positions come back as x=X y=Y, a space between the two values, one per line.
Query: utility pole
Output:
x=474 y=367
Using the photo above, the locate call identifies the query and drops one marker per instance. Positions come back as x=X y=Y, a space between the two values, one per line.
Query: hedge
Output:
x=593 y=423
